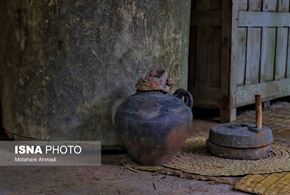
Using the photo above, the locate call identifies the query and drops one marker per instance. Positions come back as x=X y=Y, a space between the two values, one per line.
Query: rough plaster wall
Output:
x=9 y=60
x=65 y=63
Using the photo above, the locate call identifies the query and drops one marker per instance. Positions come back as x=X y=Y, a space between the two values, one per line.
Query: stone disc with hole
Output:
x=240 y=141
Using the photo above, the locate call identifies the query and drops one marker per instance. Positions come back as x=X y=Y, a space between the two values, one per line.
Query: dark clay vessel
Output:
x=154 y=125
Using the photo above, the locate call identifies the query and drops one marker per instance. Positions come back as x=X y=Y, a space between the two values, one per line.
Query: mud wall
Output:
x=65 y=64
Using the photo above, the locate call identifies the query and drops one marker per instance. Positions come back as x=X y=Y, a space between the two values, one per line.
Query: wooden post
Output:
x=259 y=114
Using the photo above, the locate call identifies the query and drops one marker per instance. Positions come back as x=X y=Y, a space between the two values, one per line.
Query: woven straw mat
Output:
x=276 y=183
x=194 y=158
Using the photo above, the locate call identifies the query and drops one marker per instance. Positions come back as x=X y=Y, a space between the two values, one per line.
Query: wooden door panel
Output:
x=205 y=52
x=267 y=50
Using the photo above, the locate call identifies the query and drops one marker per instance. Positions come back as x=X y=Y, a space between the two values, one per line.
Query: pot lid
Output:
x=240 y=136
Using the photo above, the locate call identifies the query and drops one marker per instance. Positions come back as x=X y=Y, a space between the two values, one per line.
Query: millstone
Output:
x=240 y=141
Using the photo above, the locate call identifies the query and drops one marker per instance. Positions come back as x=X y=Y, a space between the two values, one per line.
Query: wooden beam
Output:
x=228 y=107
x=264 y=19
x=268 y=90
x=230 y=113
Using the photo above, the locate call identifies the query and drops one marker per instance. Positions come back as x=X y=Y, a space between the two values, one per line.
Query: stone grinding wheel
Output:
x=242 y=141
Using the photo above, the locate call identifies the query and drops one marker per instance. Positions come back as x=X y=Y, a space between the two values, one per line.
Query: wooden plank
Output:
x=255 y=5
x=253 y=55
x=229 y=113
x=268 y=45
x=281 y=50
x=268 y=54
x=288 y=56
x=214 y=57
x=227 y=71
x=241 y=56
x=202 y=57
x=206 y=18
x=281 y=53
x=268 y=90
x=283 y=5
x=270 y=5
x=253 y=48
x=264 y=19
x=243 y=5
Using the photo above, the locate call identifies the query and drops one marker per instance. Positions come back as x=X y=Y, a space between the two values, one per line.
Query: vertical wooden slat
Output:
x=214 y=57
x=281 y=47
x=283 y=5
x=270 y=5
x=243 y=5
x=288 y=56
x=202 y=56
x=241 y=56
x=256 y=5
x=253 y=48
x=241 y=46
x=253 y=55
x=281 y=53
x=234 y=14
x=268 y=54
x=228 y=110
x=268 y=45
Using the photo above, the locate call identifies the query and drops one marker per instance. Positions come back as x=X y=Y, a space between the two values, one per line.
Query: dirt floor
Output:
x=113 y=178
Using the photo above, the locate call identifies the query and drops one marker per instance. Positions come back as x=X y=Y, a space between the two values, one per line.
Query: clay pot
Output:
x=153 y=125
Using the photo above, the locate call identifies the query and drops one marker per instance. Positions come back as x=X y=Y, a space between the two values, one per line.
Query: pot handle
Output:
x=184 y=95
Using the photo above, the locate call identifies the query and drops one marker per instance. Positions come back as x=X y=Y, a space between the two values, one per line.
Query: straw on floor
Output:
x=195 y=159
x=269 y=184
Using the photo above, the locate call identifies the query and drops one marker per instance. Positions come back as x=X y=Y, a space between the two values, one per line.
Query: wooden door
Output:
x=209 y=60
x=260 y=49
